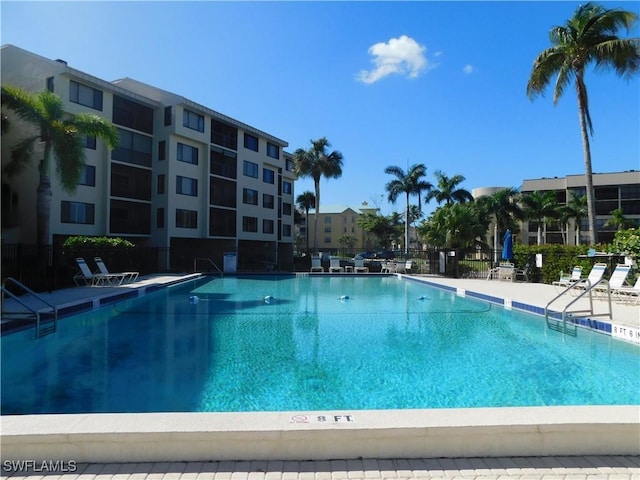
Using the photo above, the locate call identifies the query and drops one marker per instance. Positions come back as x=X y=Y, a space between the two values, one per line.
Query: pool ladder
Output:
x=208 y=260
x=46 y=319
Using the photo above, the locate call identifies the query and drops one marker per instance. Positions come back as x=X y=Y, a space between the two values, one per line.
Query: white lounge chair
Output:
x=628 y=294
x=566 y=280
x=87 y=278
x=316 y=264
x=594 y=278
x=334 y=265
x=120 y=277
x=358 y=265
x=618 y=277
x=389 y=267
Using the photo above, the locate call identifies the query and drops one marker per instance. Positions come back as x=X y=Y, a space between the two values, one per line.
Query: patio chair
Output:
x=87 y=278
x=334 y=265
x=120 y=277
x=618 y=277
x=628 y=294
x=316 y=264
x=389 y=267
x=594 y=278
x=566 y=280
x=358 y=265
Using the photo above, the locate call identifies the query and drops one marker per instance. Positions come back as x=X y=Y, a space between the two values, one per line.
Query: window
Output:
x=186 y=218
x=327 y=229
x=160 y=218
x=286 y=187
x=250 y=142
x=187 y=154
x=77 y=212
x=160 y=185
x=268 y=176
x=186 y=186
x=193 y=120
x=167 y=116
x=50 y=84
x=133 y=148
x=223 y=163
x=222 y=192
x=132 y=114
x=286 y=208
x=327 y=219
x=267 y=201
x=83 y=95
x=89 y=142
x=288 y=166
x=249 y=224
x=267 y=226
x=224 y=135
x=286 y=231
x=250 y=169
x=273 y=151
x=222 y=223
x=162 y=150
x=130 y=182
x=88 y=176
x=249 y=196
x=130 y=217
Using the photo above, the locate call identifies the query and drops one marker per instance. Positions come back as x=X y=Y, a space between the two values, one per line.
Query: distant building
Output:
x=184 y=177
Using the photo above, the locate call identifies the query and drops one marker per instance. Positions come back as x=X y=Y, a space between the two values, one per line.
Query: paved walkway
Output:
x=499 y=468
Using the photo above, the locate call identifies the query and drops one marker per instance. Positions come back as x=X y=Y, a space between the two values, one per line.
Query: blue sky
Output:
x=388 y=83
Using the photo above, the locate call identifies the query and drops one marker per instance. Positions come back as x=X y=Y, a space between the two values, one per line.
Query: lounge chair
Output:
x=389 y=267
x=504 y=271
x=594 y=278
x=316 y=264
x=358 y=265
x=87 y=278
x=119 y=278
x=628 y=294
x=334 y=265
x=566 y=280
x=618 y=277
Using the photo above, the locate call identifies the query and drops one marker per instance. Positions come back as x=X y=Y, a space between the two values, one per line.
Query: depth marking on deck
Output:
x=344 y=418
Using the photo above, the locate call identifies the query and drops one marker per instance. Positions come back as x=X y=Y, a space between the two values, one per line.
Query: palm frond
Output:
x=21 y=155
x=95 y=126
x=69 y=152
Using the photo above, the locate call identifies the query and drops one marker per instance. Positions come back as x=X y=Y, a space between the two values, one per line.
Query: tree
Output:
x=306 y=201
x=588 y=37
x=540 y=206
x=62 y=135
x=385 y=229
x=504 y=207
x=619 y=221
x=456 y=225
x=316 y=163
x=409 y=183
x=576 y=208
x=447 y=189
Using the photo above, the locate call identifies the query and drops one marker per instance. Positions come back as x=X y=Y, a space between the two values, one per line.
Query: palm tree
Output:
x=619 y=221
x=504 y=207
x=62 y=136
x=540 y=206
x=316 y=163
x=576 y=208
x=447 y=190
x=408 y=183
x=588 y=37
x=456 y=225
x=306 y=201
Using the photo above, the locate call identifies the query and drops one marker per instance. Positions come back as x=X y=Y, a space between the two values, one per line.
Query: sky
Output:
x=387 y=83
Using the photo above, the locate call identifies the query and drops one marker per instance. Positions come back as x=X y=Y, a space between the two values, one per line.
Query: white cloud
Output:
x=468 y=69
x=403 y=56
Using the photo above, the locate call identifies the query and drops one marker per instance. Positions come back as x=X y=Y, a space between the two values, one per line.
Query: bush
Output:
x=96 y=242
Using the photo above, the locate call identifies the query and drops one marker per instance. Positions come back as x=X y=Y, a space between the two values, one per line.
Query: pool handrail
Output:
x=40 y=329
x=195 y=262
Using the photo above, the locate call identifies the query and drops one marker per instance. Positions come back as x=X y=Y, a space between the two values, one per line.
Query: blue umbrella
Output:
x=507 y=246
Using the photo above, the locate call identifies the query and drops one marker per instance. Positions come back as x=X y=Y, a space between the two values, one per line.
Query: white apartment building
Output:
x=184 y=177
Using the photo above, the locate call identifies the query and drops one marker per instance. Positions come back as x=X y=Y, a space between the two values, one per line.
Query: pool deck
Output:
x=519 y=452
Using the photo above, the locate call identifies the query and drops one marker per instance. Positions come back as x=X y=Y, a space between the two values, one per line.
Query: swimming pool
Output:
x=310 y=343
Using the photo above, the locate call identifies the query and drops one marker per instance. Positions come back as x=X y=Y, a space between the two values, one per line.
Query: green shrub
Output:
x=96 y=242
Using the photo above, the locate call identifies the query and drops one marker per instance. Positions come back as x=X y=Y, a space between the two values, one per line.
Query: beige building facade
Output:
x=184 y=177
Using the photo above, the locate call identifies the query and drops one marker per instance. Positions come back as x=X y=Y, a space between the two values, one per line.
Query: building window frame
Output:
x=251 y=142
x=85 y=95
x=193 y=120
x=187 y=153
x=273 y=150
x=249 y=169
x=77 y=212
x=186 y=186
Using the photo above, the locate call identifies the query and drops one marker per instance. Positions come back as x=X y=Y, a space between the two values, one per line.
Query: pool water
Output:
x=286 y=343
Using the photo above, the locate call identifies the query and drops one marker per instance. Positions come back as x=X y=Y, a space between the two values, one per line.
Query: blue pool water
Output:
x=298 y=344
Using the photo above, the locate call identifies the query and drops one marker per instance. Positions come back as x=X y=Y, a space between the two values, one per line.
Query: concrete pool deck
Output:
x=594 y=431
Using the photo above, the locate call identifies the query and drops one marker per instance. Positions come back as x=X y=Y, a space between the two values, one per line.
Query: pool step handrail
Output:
x=42 y=328
x=587 y=289
x=195 y=264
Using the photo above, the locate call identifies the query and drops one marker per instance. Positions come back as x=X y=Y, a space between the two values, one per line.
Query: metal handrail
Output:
x=588 y=289
x=195 y=261
x=29 y=307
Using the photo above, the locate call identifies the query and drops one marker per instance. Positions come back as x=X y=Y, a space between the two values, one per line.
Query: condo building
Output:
x=184 y=177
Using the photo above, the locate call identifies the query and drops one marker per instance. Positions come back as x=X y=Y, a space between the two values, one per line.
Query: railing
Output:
x=195 y=264
x=41 y=329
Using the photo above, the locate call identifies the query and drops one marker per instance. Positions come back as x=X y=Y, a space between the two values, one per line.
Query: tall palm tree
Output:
x=306 y=201
x=504 y=207
x=576 y=208
x=62 y=135
x=588 y=37
x=447 y=189
x=540 y=206
x=316 y=163
x=619 y=221
x=408 y=183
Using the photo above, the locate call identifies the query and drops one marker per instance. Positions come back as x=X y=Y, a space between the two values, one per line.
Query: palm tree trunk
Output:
x=43 y=210
x=406 y=229
x=588 y=171
x=307 y=224
x=316 y=184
